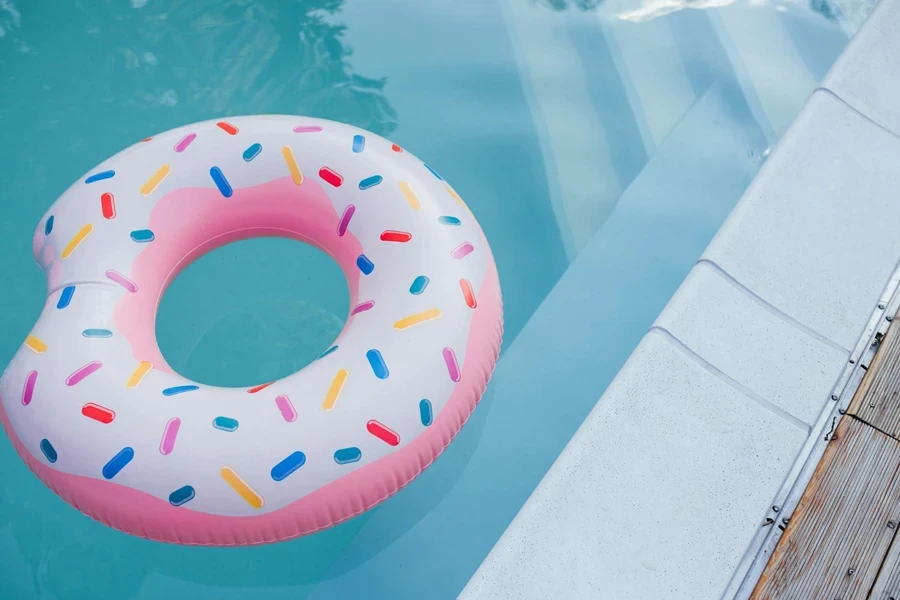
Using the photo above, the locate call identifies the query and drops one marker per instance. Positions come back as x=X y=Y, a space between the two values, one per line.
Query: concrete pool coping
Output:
x=677 y=483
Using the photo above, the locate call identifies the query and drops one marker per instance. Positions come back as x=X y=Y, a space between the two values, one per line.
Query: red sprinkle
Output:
x=468 y=293
x=257 y=388
x=331 y=177
x=395 y=236
x=147 y=139
x=108 y=205
x=396 y=148
x=227 y=128
x=384 y=434
x=98 y=413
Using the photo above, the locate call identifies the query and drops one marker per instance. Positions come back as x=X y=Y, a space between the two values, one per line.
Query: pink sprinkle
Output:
x=362 y=307
x=307 y=129
x=83 y=372
x=167 y=444
x=122 y=280
x=345 y=219
x=28 y=392
x=286 y=408
x=452 y=366
x=462 y=250
x=185 y=142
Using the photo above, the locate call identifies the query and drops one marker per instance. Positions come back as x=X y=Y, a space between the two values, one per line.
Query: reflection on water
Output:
x=645 y=10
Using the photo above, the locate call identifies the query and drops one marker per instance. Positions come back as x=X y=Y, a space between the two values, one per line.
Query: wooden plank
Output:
x=887 y=586
x=877 y=401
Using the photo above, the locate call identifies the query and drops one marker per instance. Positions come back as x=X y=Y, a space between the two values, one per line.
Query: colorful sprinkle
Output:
x=138 y=375
x=100 y=176
x=365 y=265
x=362 y=307
x=182 y=495
x=359 y=143
x=462 y=250
x=225 y=424
x=65 y=298
x=425 y=315
x=331 y=176
x=327 y=352
x=219 y=179
x=122 y=280
x=345 y=219
x=468 y=293
x=395 y=236
x=447 y=220
x=142 y=235
x=376 y=361
x=28 y=389
x=179 y=389
x=155 y=180
x=227 y=127
x=260 y=387
x=307 y=129
x=347 y=455
x=452 y=365
x=35 y=345
x=425 y=413
x=79 y=237
x=396 y=148
x=107 y=205
x=252 y=152
x=48 y=450
x=118 y=462
x=286 y=408
x=433 y=172
x=185 y=142
x=82 y=372
x=147 y=139
x=294 y=461
x=97 y=333
x=410 y=195
x=456 y=197
x=369 y=182
x=386 y=435
x=240 y=486
x=48 y=226
x=334 y=390
x=167 y=442
x=291 y=163
x=98 y=413
x=418 y=285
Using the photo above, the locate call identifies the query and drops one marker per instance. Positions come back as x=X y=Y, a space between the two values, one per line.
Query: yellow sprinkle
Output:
x=154 y=181
x=138 y=374
x=337 y=384
x=292 y=166
x=458 y=199
x=35 y=345
x=425 y=315
x=410 y=195
x=241 y=487
x=79 y=237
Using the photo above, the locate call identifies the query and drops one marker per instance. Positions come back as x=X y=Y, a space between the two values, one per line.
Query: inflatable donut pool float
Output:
x=94 y=410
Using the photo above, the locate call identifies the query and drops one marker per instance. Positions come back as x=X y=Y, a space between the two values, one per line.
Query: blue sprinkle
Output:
x=359 y=143
x=48 y=226
x=182 y=495
x=219 y=179
x=66 y=297
x=448 y=221
x=118 y=462
x=425 y=412
x=365 y=265
x=96 y=333
x=142 y=235
x=370 y=182
x=347 y=455
x=418 y=285
x=225 y=423
x=327 y=352
x=49 y=451
x=179 y=389
x=288 y=465
x=252 y=152
x=379 y=367
x=100 y=176
x=433 y=172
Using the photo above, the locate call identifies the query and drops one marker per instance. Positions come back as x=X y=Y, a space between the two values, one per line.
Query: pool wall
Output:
x=680 y=481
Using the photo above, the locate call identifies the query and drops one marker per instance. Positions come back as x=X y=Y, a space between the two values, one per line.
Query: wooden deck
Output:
x=841 y=542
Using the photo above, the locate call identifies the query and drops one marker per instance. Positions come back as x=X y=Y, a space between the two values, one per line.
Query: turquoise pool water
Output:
x=600 y=145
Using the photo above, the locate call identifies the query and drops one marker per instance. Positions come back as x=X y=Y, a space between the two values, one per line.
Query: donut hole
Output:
x=252 y=312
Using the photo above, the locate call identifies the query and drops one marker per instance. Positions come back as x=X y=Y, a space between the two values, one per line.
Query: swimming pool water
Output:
x=600 y=145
